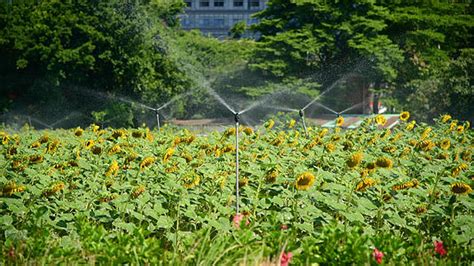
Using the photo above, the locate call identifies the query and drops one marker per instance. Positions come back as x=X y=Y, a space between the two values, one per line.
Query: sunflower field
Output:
x=332 y=196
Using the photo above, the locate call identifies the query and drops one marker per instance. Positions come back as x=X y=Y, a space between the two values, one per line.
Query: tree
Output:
x=326 y=40
x=102 y=45
x=395 y=43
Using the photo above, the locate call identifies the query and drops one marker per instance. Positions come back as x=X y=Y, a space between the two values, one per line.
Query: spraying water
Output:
x=352 y=107
x=327 y=108
x=322 y=94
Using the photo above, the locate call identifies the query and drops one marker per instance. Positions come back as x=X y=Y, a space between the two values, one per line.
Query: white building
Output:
x=216 y=17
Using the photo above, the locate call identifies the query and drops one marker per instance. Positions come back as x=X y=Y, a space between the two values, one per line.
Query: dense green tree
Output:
x=435 y=76
x=402 y=46
x=104 y=45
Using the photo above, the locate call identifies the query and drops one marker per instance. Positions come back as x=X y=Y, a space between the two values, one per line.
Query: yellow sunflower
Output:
x=113 y=169
x=461 y=188
x=168 y=154
x=384 y=162
x=229 y=132
x=445 y=118
x=330 y=147
x=89 y=144
x=364 y=184
x=78 y=132
x=36 y=158
x=355 y=159
x=460 y=129
x=248 y=131
x=339 y=121
x=292 y=123
x=380 y=120
x=191 y=180
x=271 y=176
x=138 y=191
x=445 y=144
x=115 y=149
x=410 y=126
x=269 y=124
x=304 y=181
x=404 y=116
x=323 y=132
x=426 y=132
x=147 y=161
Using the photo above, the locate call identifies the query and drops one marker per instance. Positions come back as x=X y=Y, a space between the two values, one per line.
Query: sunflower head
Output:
x=445 y=144
x=269 y=124
x=292 y=123
x=445 y=118
x=410 y=126
x=323 y=132
x=115 y=149
x=89 y=144
x=271 y=175
x=380 y=120
x=191 y=180
x=404 y=116
x=339 y=121
x=96 y=150
x=147 y=161
x=137 y=191
x=229 y=132
x=365 y=183
x=460 y=129
x=169 y=152
x=461 y=188
x=248 y=130
x=137 y=134
x=304 y=181
x=384 y=162
x=113 y=169
x=355 y=159
x=330 y=147
x=78 y=131
x=36 y=158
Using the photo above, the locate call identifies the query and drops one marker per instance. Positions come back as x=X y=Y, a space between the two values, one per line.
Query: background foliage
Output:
x=416 y=57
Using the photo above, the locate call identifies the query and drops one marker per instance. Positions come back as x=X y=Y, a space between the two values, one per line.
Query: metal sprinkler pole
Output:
x=157 y=119
x=301 y=112
x=236 y=119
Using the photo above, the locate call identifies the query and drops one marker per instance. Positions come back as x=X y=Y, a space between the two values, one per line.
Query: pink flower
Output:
x=285 y=258
x=439 y=248
x=283 y=227
x=237 y=220
x=378 y=255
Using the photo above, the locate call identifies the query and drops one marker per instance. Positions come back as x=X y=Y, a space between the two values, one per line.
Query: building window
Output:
x=218 y=22
x=189 y=3
x=204 y=3
x=205 y=22
x=254 y=3
x=238 y=3
x=219 y=3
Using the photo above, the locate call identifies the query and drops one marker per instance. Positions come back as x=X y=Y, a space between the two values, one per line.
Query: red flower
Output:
x=378 y=255
x=439 y=248
x=285 y=258
x=238 y=219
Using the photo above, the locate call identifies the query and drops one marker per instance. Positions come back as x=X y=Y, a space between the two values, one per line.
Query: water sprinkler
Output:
x=157 y=118
x=301 y=113
x=236 y=119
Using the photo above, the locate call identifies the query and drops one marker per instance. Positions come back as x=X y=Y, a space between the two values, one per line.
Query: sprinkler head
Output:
x=338 y=114
x=236 y=117
x=301 y=112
